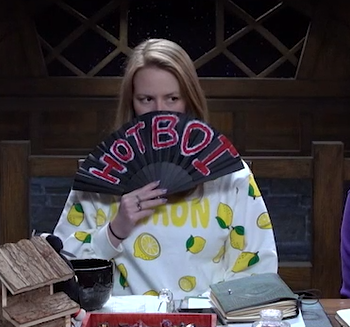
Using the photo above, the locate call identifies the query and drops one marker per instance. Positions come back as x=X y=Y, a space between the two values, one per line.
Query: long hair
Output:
x=171 y=57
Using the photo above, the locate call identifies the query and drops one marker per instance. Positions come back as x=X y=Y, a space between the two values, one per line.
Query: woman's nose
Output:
x=159 y=105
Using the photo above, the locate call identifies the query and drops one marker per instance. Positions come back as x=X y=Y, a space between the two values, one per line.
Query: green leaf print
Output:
x=253 y=260
x=239 y=230
x=78 y=207
x=189 y=242
x=221 y=223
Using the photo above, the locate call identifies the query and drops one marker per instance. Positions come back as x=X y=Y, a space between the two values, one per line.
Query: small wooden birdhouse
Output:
x=28 y=270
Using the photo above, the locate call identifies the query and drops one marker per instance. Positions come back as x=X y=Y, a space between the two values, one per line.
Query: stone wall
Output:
x=47 y=197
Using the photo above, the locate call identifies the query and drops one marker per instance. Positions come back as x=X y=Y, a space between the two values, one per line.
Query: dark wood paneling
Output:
x=256 y=126
x=14 y=191
x=296 y=274
x=14 y=125
x=269 y=129
x=281 y=167
x=53 y=166
x=212 y=86
x=333 y=61
x=327 y=206
x=313 y=44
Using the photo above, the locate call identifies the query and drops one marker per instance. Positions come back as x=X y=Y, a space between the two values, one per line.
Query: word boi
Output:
x=164 y=135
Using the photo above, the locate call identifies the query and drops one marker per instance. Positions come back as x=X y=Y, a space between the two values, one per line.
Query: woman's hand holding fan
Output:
x=135 y=206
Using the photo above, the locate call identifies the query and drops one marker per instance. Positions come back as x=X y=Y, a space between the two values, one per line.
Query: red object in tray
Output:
x=150 y=319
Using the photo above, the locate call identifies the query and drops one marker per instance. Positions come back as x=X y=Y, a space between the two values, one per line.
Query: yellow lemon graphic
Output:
x=245 y=260
x=264 y=221
x=76 y=214
x=83 y=237
x=224 y=215
x=100 y=217
x=123 y=275
x=195 y=244
x=187 y=283
x=220 y=254
x=146 y=247
x=253 y=188
x=151 y=292
x=237 y=237
x=113 y=210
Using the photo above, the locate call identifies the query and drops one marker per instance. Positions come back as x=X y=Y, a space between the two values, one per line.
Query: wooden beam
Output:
x=101 y=87
x=303 y=6
x=313 y=44
x=281 y=167
x=30 y=42
x=54 y=166
x=14 y=191
x=306 y=131
x=36 y=132
x=95 y=104
x=326 y=219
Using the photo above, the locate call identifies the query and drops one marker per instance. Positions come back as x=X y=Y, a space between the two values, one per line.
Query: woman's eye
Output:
x=146 y=99
x=174 y=99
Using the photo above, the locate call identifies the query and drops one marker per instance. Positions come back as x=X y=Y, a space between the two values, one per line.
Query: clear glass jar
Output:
x=271 y=318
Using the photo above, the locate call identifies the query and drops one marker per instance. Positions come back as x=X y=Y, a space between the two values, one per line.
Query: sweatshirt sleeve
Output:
x=251 y=247
x=345 y=249
x=83 y=224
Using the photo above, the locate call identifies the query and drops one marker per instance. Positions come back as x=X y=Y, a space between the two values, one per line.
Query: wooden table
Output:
x=332 y=305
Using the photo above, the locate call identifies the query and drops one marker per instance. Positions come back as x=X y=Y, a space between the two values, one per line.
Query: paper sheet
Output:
x=133 y=303
x=345 y=315
x=294 y=322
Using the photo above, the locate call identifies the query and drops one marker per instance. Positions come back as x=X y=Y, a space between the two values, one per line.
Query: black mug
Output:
x=95 y=279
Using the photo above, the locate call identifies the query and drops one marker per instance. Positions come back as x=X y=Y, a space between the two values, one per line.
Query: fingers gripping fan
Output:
x=179 y=151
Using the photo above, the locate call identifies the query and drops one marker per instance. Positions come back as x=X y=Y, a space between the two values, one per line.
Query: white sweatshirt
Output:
x=221 y=234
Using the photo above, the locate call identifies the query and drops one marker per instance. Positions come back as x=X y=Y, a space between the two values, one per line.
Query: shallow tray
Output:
x=149 y=319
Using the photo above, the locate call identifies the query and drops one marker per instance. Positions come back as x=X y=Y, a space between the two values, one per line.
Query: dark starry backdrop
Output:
x=190 y=23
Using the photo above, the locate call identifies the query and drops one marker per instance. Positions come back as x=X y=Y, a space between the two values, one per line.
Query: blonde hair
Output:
x=171 y=57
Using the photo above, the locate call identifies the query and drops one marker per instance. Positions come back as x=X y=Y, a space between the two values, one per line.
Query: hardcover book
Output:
x=241 y=300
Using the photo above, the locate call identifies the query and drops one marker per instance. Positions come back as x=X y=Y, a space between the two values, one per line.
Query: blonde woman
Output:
x=218 y=231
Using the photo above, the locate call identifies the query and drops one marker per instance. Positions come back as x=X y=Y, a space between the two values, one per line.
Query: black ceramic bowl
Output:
x=95 y=278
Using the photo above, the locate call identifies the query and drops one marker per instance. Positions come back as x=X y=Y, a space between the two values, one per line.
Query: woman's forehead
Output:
x=154 y=79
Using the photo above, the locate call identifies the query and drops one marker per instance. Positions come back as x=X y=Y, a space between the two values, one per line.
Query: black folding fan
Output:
x=176 y=149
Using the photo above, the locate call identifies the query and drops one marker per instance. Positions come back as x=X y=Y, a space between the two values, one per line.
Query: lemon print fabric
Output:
x=237 y=237
x=101 y=217
x=113 y=208
x=187 y=283
x=151 y=292
x=245 y=260
x=75 y=214
x=264 y=221
x=195 y=244
x=224 y=215
x=146 y=247
x=253 y=188
x=83 y=237
x=123 y=275
x=219 y=255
